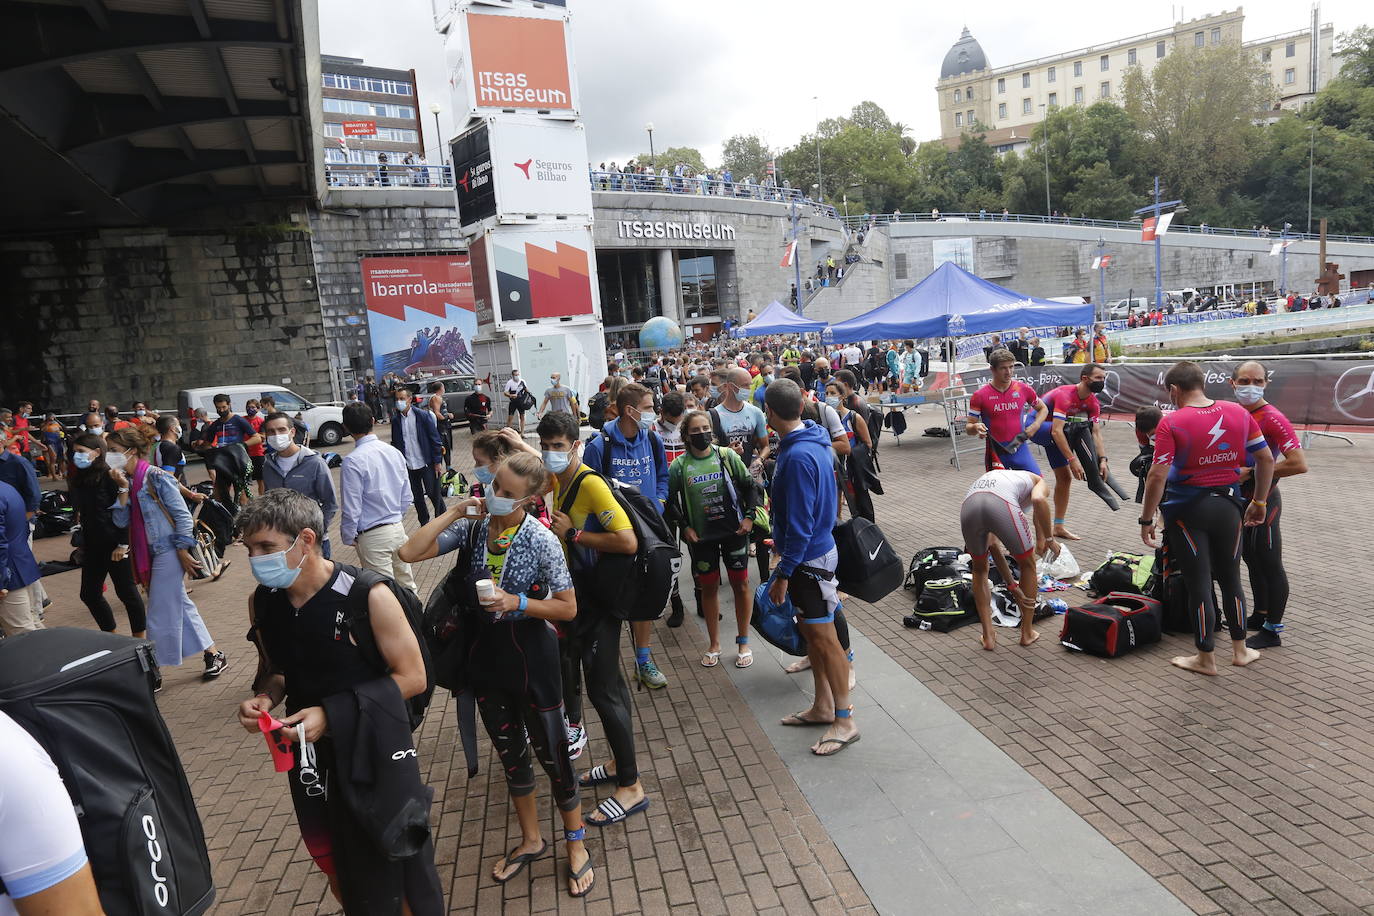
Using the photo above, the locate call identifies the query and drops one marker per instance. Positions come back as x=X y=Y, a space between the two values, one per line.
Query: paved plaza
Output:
x=1018 y=781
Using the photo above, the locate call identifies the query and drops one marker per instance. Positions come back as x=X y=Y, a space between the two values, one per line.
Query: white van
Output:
x=325 y=423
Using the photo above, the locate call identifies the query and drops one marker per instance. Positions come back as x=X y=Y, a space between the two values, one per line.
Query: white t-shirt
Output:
x=852 y=356
x=40 y=842
x=513 y=387
x=1012 y=487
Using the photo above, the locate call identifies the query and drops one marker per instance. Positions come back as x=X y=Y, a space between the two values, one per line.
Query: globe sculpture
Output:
x=660 y=333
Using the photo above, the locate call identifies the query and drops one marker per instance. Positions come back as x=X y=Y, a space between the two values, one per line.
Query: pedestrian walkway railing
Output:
x=636 y=182
x=391 y=175
x=880 y=219
x=1302 y=322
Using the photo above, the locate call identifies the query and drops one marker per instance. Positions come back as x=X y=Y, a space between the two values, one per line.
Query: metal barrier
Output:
x=644 y=183
x=879 y=219
x=389 y=175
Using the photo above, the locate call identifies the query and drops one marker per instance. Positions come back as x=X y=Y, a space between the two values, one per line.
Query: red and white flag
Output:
x=1149 y=230
x=1102 y=261
x=1278 y=246
x=789 y=255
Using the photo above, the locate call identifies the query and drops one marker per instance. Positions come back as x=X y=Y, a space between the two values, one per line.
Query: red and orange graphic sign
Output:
x=519 y=62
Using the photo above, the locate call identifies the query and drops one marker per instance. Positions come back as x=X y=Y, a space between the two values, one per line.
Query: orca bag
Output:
x=932 y=563
x=1112 y=627
x=87 y=698
x=944 y=605
x=868 y=568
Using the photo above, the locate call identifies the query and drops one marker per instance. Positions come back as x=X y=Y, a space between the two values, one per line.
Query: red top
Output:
x=1207 y=446
x=1278 y=432
x=1065 y=404
x=1001 y=411
x=255 y=421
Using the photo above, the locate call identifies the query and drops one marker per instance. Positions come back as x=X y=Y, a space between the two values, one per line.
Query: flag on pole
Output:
x=1102 y=262
x=1278 y=246
x=1164 y=222
x=789 y=255
x=1149 y=229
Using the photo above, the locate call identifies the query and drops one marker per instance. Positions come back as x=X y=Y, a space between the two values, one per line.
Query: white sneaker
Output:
x=577 y=740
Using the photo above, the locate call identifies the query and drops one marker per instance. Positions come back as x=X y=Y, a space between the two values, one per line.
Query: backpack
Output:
x=87 y=698
x=944 y=605
x=777 y=623
x=1122 y=572
x=360 y=628
x=634 y=587
x=596 y=409
x=868 y=568
x=933 y=563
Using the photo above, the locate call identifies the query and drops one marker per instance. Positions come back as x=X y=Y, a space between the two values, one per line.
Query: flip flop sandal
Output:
x=614 y=812
x=577 y=876
x=842 y=742
x=744 y=659
x=596 y=776
x=710 y=659
x=796 y=720
x=521 y=861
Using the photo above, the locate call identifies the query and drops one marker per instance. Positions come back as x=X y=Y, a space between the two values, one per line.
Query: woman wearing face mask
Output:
x=711 y=498
x=295 y=467
x=170 y=457
x=513 y=660
x=489 y=449
x=159 y=531
x=104 y=545
x=257 y=454
x=855 y=472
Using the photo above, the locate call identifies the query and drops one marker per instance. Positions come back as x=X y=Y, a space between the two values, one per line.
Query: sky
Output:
x=705 y=70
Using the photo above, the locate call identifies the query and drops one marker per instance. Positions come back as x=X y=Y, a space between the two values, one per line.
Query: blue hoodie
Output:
x=639 y=462
x=804 y=497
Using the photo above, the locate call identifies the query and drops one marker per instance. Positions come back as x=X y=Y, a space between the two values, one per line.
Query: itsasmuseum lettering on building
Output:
x=664 y=229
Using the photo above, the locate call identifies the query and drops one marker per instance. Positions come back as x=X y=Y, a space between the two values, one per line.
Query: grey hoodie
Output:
x=309 y=475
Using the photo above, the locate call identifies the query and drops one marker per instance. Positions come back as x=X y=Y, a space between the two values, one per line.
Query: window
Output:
x=970 y=118
x=1078 y=95
x=1025 y=106
x=968 y=94
x=1199 y=39
x=1159 y=49
x=958 y=119
x=1216 y=36
x=1078 y=68
x=1054 y=99
x=629 y=286
x=1289 y=76
x=366 y=84
x=1290 y=49
x=389 y=134
x=1001 y=85
x=1001 y=109
x=1266 y=54
x=1104 y=62
x=899 y=264
x=373 y=109
x=1130 y=58
x=1049 y=75
x=1104 y=90
x=958 y=96
x=1025 y=80
x=698 y=272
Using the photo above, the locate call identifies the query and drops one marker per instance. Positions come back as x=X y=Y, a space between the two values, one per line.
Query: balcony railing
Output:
x=388 y=176
x=705 y=187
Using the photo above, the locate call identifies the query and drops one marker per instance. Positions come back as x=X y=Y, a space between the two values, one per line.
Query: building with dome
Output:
x=1007 y=102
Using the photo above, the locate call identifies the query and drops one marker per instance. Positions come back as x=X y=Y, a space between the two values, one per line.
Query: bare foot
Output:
x=1244 y=656
x=807 y=717
x=988 y=640
x=1201 y=663
x=517 y=859
x=801 y=664
x=1061 y=532
x=1028 y=638
x=837 y=737
x=578 y=859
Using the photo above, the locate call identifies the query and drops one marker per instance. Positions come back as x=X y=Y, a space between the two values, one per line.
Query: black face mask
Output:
x=1096 y=387
x=222 y=411
x=699 y=441
x=824 y=373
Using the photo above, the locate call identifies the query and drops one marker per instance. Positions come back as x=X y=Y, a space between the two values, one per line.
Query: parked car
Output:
x=325 y=423
x=456 y=391
x=1121 y=309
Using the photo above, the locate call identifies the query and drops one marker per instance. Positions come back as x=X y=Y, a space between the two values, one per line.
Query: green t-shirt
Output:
x=708 y=500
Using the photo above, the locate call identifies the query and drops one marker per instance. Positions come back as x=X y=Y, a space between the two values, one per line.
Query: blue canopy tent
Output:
x=778 y=319
x=952 y=302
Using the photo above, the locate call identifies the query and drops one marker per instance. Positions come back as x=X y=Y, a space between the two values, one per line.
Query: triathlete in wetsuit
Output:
x=1262 y=546
x=995 y=412
x=1201 y=449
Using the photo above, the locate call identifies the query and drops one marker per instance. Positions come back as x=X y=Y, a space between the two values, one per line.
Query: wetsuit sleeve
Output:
x=453 y=537
x=1278 y=430
x=1254 y=438
x=975 y=405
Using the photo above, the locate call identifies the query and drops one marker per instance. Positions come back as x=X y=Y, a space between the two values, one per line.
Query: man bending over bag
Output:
x=994 y=510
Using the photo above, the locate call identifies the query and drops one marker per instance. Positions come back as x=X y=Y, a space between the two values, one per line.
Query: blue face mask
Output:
x=647 y=418
x=272 y=569
x=83 y=459
x=484 y=475
x=715 y=392
x=500 y=506
x=557 y=462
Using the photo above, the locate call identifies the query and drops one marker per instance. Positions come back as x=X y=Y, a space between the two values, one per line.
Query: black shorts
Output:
x=807 y=598
x=706 y=558
x=257 y=461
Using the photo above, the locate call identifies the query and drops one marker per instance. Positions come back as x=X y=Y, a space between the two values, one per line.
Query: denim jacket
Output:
x=162 y=535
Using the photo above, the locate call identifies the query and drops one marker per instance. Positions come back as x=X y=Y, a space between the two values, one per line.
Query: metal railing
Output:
x=644 y=183
x=879 y=219
x=389 y=175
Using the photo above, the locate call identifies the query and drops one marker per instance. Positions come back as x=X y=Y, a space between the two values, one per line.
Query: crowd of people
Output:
x=747 y=454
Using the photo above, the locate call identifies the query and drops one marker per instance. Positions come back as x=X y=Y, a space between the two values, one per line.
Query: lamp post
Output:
x=652 y=159
x=820 y=185
x=434 y=109
x=1311 y=149
x=1101 y=279
x=1283 y=254
x=1045 y=141
x=1155 y=210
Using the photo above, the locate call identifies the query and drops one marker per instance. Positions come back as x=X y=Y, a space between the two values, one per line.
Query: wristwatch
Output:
x=1146 y=521
x=570 y=535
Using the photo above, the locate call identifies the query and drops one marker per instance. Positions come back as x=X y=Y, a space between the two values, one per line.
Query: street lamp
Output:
x=1283 y=252
x=1045 y=141
x=1156 y=209
x=1311 y=148
x=1102 y=278
x=434 y=109
x=820 y=185
x=652 y=159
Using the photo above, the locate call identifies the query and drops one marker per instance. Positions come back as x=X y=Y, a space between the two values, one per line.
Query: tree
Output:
x=667 y=158
x=1100 y=193
x=746 y=154
x=1356 y=54
x=1342 y=165
x=1197 y=112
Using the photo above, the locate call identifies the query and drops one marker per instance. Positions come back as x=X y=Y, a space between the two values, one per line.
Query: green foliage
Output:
x=1355 y=53
x=744 y=155
x=667 y=158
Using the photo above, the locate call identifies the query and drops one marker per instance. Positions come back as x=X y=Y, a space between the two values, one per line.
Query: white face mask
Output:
x=1249 y=394
x=116 y=460
x=279 y=441
x=402 y=405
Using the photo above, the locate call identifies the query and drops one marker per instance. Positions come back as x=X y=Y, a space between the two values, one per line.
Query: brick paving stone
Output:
x=722 y=799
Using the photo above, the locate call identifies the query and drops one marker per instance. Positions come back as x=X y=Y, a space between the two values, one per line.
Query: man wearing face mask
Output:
x=629 y=451
x=226 y=433
x=515 y=401
x=740 y=425
x=257 y=454
x=1073 y=443
x=477 y=408
x=415 y=434
x=822 y=370
x=296 y=467
x=1262 y=546
x=557 y=397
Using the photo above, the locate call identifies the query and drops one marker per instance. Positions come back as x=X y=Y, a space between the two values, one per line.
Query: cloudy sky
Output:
x=704 y=70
